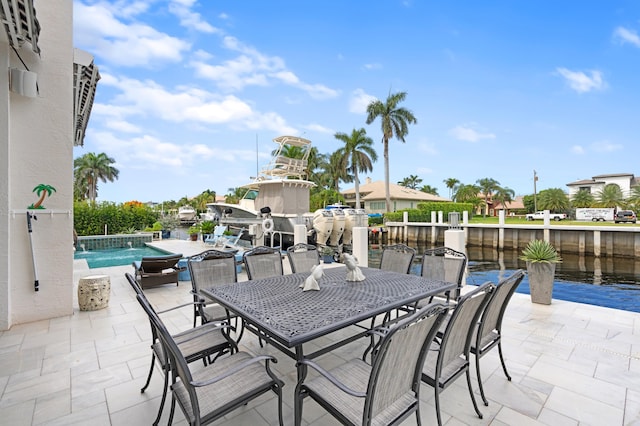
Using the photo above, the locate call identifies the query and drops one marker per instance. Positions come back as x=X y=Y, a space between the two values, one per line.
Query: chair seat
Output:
x=214 y=312
x=450 y=370
x=355 y=375
x=486 y=343
x=195 y=343
x=221 y=395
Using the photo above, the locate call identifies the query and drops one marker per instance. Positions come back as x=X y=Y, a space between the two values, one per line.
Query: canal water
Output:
x=608 y=282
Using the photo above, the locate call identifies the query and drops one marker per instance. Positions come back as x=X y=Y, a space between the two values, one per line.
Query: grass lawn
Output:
x=510 y=220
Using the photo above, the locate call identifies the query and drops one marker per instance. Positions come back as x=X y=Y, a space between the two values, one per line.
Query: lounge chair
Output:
x=157 y=270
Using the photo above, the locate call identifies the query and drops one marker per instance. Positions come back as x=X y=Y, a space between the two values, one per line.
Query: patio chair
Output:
x=489 y=328
x=157 y=270
x=262 y=262
x=448 y=358
x=302 y=257
x=444 y=264
x=208 y=269
x=218 y=232
x=199 y=343
x=397 y=258
x=211 y=392
x=387 y=391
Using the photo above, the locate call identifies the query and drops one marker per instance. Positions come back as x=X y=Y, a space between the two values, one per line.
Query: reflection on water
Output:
x=574 y=268
x=608 y=282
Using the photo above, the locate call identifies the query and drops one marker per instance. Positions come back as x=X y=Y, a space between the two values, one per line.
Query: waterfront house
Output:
x=47 y=95
x=372 y=197
x=625 y=181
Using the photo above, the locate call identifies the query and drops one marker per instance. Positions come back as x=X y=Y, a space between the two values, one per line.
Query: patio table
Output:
x=277 y=310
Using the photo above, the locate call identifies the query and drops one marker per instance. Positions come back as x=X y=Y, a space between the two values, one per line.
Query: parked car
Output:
x=625 y=216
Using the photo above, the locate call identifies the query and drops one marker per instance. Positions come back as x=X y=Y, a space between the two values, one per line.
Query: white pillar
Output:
x=454 y=239
x=440 y=220
x=361 y=245
x=501 y=229
x=465 y=217
x=299 y=234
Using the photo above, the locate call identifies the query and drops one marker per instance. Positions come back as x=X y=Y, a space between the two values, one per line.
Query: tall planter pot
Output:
x=541 y=277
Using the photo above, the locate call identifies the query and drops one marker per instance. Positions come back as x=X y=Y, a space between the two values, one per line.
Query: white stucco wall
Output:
x=39 y=149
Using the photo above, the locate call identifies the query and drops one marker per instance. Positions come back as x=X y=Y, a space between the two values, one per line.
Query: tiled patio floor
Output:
x=571 y=364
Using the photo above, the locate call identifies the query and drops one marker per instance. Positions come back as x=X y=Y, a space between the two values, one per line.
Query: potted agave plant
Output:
x=541 y=258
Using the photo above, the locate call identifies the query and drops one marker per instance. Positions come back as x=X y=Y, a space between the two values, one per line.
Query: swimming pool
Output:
x=116 y=257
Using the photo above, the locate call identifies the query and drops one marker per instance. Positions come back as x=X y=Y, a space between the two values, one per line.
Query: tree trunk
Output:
x=357 y=181
x=386 y=174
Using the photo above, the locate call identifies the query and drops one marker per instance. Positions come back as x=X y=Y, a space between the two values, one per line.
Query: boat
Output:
x=276 y=200
x=186 y=214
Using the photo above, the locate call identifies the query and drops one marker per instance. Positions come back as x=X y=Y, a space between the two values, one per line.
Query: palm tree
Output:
x=634 y=198
x=487 y=186
x=394 y=122
x=582 y=199
x=335 y=170
x=359 y=154
x=90 y=168
x=503 y=196
x=451 y=184
x=553 y=199
x=429 y=189
x=610 y=196
x=410 y=182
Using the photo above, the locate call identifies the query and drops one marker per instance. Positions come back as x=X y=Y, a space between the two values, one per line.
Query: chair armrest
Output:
x=194 y=333
x=332 y=379
x=177 y=307
x=234 y=370
x=137 y=265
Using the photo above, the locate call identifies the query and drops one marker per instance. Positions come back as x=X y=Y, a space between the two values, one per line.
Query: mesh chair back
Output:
x=445 y=264
x=494 y=311
x=302 y=257
x=262 y=262
x=397 y=258
x=397 y=366
x=457 y=336
x=211 y=268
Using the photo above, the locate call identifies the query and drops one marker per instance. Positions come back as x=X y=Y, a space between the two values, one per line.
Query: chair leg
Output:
x=504 y=366
x=418 y=419
x=163 y=399
x=436 y=387
x=484 y=399
x=146 y=385
x=473 y=398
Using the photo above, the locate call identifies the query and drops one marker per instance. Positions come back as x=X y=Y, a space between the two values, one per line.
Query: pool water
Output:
x=116 y=257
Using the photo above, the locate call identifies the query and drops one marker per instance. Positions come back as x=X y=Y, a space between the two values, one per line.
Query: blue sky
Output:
x=499 y=88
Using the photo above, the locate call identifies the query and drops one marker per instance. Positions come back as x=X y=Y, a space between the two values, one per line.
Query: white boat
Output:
x=276 y=200
x=186 y=213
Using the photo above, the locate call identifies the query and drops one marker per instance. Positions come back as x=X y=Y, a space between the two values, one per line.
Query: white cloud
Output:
x=605 y=146
x=466 y=133
x=428 y=148
x=315 y=127
x=100 y=31
x=374 y=66
x=625 y=35
x=148 y=152
x=252 y=68
x=183 y=104
x=359 y=101
x=577 y=149
x=582 y=82
x=189 y=18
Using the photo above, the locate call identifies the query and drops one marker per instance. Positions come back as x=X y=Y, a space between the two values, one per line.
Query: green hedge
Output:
x=90 y=218
x=423 y=212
